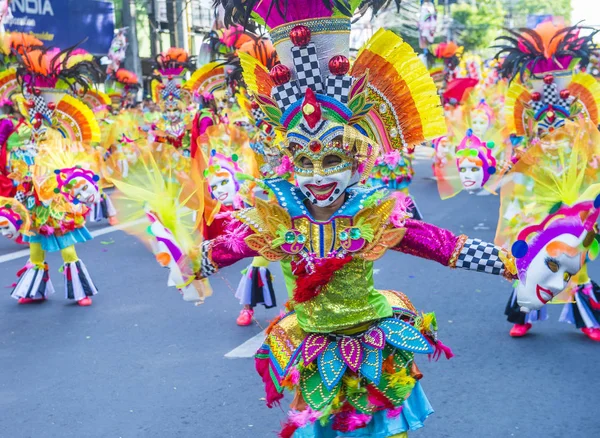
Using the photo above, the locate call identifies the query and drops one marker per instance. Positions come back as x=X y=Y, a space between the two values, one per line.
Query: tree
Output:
x=477 y=25
x=520 y=9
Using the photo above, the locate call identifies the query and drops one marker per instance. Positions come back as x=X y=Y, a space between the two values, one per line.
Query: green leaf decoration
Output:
x=313 y=389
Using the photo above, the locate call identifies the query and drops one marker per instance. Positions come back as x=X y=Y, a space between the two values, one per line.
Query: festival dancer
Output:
x=169 y=92
x=545 y=94
x=58 y=188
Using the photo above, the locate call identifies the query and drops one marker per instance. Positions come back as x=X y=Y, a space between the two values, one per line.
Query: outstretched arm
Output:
x=224 y=250
x=434 y=243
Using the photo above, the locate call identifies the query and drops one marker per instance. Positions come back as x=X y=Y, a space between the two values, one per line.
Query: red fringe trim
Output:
x=288 y=430
x=309 y=285
x=378 y=399
x=272 y=395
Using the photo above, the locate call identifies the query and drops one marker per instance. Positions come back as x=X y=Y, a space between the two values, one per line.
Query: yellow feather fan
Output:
x=587 y=89
x=55 y=154
x=515 y=103
x=407 y=109
x=76 y=121
x=8 y=84
x=207 y=79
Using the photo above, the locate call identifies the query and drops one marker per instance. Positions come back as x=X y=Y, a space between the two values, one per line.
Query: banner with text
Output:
x=64 y=23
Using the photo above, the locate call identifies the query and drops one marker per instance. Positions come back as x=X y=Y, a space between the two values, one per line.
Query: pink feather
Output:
x=302 y=418
x=393 y=413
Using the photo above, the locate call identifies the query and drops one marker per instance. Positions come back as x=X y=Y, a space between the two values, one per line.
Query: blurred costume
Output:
x=546 y=93
x=174 y=98
x=60 y=182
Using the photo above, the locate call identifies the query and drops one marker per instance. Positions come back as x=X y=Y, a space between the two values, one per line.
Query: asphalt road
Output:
x=141 y=362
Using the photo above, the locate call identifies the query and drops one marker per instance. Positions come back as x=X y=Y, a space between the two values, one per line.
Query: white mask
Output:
x=471 y=175
x=222 y=187
x=8 y=230
x=480 y=125
x=547 y=275
x=323 y=190
x=84 y=191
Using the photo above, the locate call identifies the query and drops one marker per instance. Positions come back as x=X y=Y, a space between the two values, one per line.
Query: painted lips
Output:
x=543 y=294
x=468 y=183
x=321 y=193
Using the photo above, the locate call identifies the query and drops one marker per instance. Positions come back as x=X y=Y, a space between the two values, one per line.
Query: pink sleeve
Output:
x=204 y=124
x=430 y=242
x=226 y=249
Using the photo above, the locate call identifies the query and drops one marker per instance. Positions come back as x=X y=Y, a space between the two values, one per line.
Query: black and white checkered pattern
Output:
x=257 y=114
x=551 y=96
x=207 y=268
x=20 y=196
x=338 y=87
x=286 y=94
x=306 y=63
x=171 y=89
x=40 y=106
x=480 y=256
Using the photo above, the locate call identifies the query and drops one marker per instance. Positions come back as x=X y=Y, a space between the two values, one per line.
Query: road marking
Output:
x=25 y=252
x=248 y=348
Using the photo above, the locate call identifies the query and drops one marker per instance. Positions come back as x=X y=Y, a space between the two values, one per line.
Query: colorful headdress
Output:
x=52 y=82
x=387 y=95
x=121 y=85
x=59 y=162
x=168 y=82
x=473 y=148
x=206 y=81
x=544 y=91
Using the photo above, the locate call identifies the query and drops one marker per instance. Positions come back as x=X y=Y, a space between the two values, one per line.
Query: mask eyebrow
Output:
x=557 y=248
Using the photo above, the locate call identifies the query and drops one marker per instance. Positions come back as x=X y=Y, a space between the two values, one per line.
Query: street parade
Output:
x=314 y=219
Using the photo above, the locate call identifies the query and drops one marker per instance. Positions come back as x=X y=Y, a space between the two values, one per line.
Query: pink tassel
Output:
x=234 y=236
x=439 y=347
x=393 y=413
x=302 y=418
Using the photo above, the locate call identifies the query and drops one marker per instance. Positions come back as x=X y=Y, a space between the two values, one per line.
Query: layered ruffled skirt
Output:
x=52 y=243
x=359 y=383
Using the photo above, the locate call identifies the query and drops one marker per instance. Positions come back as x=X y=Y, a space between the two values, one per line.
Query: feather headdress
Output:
x=545 y=92
x=387 y=95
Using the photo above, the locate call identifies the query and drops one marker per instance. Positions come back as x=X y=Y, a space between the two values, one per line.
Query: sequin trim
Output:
x=460 y=243
x=316 y=26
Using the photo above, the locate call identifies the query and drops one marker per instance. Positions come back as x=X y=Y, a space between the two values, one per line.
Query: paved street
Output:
x=141 y=362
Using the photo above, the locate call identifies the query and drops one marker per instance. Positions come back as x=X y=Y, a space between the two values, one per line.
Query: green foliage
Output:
x=479 y=25
x=522 y=8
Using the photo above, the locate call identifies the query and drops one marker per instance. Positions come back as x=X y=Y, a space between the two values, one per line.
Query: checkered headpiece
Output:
x=551 y=107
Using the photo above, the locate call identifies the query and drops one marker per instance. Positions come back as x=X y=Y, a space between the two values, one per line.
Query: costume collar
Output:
x=292 y=199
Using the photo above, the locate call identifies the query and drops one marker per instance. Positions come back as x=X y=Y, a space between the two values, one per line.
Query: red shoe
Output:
x=519 y=330
x=592 y=333
x=87 y=301
x=112 y=220
x=245 y=317
x=29 y=300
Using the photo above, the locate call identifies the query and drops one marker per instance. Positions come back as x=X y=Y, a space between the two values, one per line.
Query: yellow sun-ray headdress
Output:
x=387 y=95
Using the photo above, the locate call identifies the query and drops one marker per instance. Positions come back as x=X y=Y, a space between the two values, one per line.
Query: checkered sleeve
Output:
x=207 y=266
x=480 y=256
